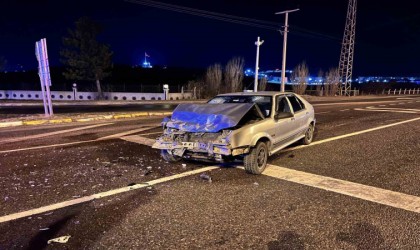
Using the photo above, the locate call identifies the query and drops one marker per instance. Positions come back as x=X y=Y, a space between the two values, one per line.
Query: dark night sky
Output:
x=387 y=33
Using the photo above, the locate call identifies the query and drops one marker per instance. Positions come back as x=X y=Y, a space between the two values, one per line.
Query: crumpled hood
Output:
x=207 y=117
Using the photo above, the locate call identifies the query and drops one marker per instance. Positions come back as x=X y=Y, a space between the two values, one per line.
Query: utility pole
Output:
x=286 y=30
x=258 y=43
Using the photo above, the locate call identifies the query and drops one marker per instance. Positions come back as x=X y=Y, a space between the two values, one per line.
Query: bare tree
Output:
x=318 y=89
x=262 y=85
x=234 y=74
x=332 y=80
x=213 y=80
x=197 y=87
x=299 y=78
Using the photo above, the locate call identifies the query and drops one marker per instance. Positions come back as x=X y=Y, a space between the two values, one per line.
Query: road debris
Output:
x=206 y=177
x=62 y=239
x=148 y=172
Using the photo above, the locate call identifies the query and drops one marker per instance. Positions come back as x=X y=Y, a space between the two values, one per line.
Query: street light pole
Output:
x=286 y=30
x=258 y=43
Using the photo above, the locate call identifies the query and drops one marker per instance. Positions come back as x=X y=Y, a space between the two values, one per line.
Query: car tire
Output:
x=256 y=161
x=167 y=156
x=309 y=135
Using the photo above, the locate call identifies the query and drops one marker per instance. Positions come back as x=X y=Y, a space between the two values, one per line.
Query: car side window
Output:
x=297 y=104
x=282 y=105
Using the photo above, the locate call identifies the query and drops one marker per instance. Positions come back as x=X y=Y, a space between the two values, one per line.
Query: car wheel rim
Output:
x=309 y=134
x=261 y=157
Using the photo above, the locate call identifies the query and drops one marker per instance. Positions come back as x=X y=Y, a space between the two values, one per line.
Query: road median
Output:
x=28 y=121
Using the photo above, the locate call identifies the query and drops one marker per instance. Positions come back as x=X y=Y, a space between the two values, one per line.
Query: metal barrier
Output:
x=403 y=92
x=83 y=96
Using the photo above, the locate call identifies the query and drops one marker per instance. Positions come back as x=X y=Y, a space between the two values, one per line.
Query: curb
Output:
x=87 y=119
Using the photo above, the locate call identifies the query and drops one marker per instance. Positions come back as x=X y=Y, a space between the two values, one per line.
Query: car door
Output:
x=285 y=127
x=300 y=115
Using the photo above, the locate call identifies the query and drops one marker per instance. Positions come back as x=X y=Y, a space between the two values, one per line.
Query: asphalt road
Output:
x=12 y=110
x=18 y=108
x=356 y=187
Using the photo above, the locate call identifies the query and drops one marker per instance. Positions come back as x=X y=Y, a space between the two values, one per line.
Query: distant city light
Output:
x=146 y=64
x=274 y=77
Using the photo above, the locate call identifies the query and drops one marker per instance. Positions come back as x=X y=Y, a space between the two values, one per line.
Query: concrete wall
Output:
x=78 y=96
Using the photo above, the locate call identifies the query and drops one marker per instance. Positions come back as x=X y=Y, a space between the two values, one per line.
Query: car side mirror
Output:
x=283 y=115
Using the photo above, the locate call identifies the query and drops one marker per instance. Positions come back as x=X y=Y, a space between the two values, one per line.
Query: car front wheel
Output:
x=167 y=156
x=256 y=161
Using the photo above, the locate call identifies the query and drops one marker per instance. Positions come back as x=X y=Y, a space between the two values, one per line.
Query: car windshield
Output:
x=263 y=102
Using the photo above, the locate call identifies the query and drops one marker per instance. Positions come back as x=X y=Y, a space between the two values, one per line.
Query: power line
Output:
x=201 y=13
x=263 y=24
x=311 y=33
x=179 y=7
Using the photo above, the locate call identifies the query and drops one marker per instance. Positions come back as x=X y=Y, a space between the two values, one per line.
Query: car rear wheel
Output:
x=309 y=135
x=256 y=161
x=167 y=156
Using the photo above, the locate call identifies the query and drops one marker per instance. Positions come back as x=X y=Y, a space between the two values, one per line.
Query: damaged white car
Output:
x=243 y=126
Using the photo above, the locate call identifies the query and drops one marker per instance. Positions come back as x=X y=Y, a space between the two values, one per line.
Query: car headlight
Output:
x=225 y=137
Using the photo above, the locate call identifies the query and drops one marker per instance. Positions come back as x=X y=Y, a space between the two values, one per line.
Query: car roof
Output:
x=259 y=93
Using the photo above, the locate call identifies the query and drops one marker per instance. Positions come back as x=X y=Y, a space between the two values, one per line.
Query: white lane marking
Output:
x=77 y=142
x=154 y=133
x=382 y=105
x=128 y=132
x=401 y=103
x=350 y=103
x=349 y=135
x=399 y=109
x=364 y=192
x=322 y=112
x=68 y=203
x=344 y=110
x=139 y=139
x=46 y=146
x=382 y=110
x=393 y=104
x=53 y=133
